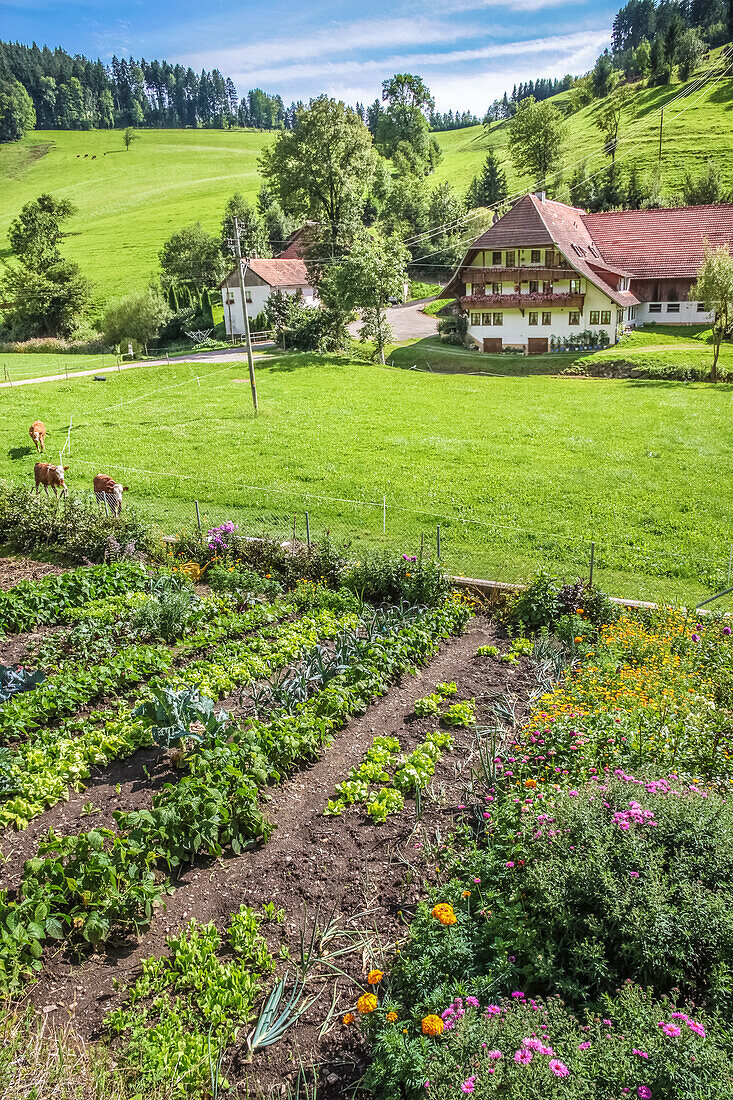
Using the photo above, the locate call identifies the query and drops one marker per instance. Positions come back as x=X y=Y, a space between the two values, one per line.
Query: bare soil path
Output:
x=347 y=861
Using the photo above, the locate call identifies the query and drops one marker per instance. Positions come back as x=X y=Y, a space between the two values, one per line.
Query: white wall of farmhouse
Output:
x=673 y=313
x=598 y=313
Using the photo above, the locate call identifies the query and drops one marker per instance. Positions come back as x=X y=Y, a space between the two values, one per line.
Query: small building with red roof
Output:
x=261 y=278
x=547 y=276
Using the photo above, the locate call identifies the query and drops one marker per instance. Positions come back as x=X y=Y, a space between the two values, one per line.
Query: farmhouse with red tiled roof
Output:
x=548 y=276
x=262 y=277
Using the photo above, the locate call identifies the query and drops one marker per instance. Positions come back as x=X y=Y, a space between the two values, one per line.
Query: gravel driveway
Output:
x=407 y=322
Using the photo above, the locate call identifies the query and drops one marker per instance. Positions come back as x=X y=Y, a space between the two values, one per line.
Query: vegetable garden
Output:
x=265 y=838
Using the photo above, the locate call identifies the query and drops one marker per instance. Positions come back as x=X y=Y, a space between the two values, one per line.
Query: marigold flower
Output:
x=432 y=1025
x=348 y=1019
x=374 y=977
x=443 y=912
x=392 y=1017
x=366 y=1003
x=466 y=894
x=530 y=783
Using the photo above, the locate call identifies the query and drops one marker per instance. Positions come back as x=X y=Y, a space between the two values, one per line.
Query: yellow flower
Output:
x=530 y=783
x=578 y=640
x=444 y=913
x=366 y=1003
x=374 y=977
x=432 y=1025
x=348 y=1019
x=392 y=1017
x=466 y=894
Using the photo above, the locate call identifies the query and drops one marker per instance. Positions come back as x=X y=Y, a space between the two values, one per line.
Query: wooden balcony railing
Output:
x=524 y=301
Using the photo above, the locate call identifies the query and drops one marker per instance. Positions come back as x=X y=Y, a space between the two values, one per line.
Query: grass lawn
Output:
x=14 y=366
x=519 y=471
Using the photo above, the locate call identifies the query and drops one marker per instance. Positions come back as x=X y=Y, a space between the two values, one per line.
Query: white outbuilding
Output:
x=262 y=277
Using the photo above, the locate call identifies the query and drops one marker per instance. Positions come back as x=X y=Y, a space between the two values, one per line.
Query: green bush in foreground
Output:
x=387 y=576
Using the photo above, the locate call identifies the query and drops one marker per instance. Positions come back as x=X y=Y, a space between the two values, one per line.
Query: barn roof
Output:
x=655 y=244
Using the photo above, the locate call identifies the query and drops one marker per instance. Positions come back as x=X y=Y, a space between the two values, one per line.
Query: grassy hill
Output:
x=129 y=202
x=698 y=126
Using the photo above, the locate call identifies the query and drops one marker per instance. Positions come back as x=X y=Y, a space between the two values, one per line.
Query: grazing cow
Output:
x=109 y=491
x=50 y=475
x=37 y=432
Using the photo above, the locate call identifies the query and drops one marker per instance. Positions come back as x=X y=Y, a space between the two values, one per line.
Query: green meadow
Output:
x=519 y=471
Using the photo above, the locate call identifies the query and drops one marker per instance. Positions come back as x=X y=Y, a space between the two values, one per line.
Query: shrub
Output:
x=544 y=602
x=386 y=576
x=517 y=1049
x=240 y=578
x=267 y=557
x=74 y=527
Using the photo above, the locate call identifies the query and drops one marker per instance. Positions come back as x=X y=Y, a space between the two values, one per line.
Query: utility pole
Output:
x=242 y=269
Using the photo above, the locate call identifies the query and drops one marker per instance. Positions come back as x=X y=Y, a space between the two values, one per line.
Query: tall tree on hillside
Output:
x=689 y=50
x=403 y=129
x=536 y=139
x=42 y=293
x=252 y=233
x=128 y=136
x=323 y=169
x=608 y=119
x=714 y=288
x=490 y=187
x=605 y=77
x=705 y=188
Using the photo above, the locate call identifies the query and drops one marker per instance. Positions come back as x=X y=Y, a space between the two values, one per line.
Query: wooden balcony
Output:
x=523 y=301
x=521 y=274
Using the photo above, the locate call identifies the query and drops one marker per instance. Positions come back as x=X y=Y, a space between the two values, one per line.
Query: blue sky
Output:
x=467 y=51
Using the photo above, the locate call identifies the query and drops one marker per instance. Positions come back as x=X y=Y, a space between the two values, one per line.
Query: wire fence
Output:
x=467 y=545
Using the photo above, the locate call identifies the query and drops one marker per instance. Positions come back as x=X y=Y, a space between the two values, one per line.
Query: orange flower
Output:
x=374 y=977
x=466 y=894
x=432 y=1025
x=392 y=1017
x=578 y=610
x=578 y=640
x=444 y=913
x=348 y=1019
x=530 y=783
x=366 y=1003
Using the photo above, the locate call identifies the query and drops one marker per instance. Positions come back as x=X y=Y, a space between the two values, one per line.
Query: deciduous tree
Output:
x=191 y=258
x=714 y=288
x=374 y=272
x=138 y=317
x=17 y=113
x=323 y=169
x=536 y=139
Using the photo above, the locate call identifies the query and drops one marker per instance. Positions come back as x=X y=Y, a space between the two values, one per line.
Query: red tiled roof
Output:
x=655 y=244
x=294 y=246
x=277 y=272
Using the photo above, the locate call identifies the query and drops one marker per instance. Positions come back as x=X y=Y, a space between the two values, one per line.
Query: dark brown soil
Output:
x=13 y=570
x=344 y=862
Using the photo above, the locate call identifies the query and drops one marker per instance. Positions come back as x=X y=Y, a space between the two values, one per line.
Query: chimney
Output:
x=540 y=195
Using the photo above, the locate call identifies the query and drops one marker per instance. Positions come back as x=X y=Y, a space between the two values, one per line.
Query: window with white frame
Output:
x=673 y=307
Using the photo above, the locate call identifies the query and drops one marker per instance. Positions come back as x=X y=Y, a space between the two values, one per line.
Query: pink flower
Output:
x=469 y=1084
x=695 y=638
x=493 y=1010
x=639 y=1053
x=510 y=863
x=644 y=1092
x=559 y=1068
x=670 y=1029
x=584 y=1046
x=523 y=1057
x=697 y=1028
x=518 y=994
x=494 y=1055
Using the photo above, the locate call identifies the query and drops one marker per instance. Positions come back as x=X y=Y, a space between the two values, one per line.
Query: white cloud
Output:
x=336 y=38
x=466 y=85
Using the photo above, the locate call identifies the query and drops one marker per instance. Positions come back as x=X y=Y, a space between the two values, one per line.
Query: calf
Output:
x=50 y=475
x=37 y=432
x=109 y=491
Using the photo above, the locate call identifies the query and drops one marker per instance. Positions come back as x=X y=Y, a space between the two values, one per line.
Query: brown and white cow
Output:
x=109 y=491
x=50 y=475
x=37 y=432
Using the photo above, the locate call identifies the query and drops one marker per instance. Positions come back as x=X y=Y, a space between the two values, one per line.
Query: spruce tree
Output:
x=490 y=187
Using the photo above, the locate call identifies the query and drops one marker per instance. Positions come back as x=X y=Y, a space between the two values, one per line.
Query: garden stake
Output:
x=198 y=518
x=592 y=554
x=438 y=542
